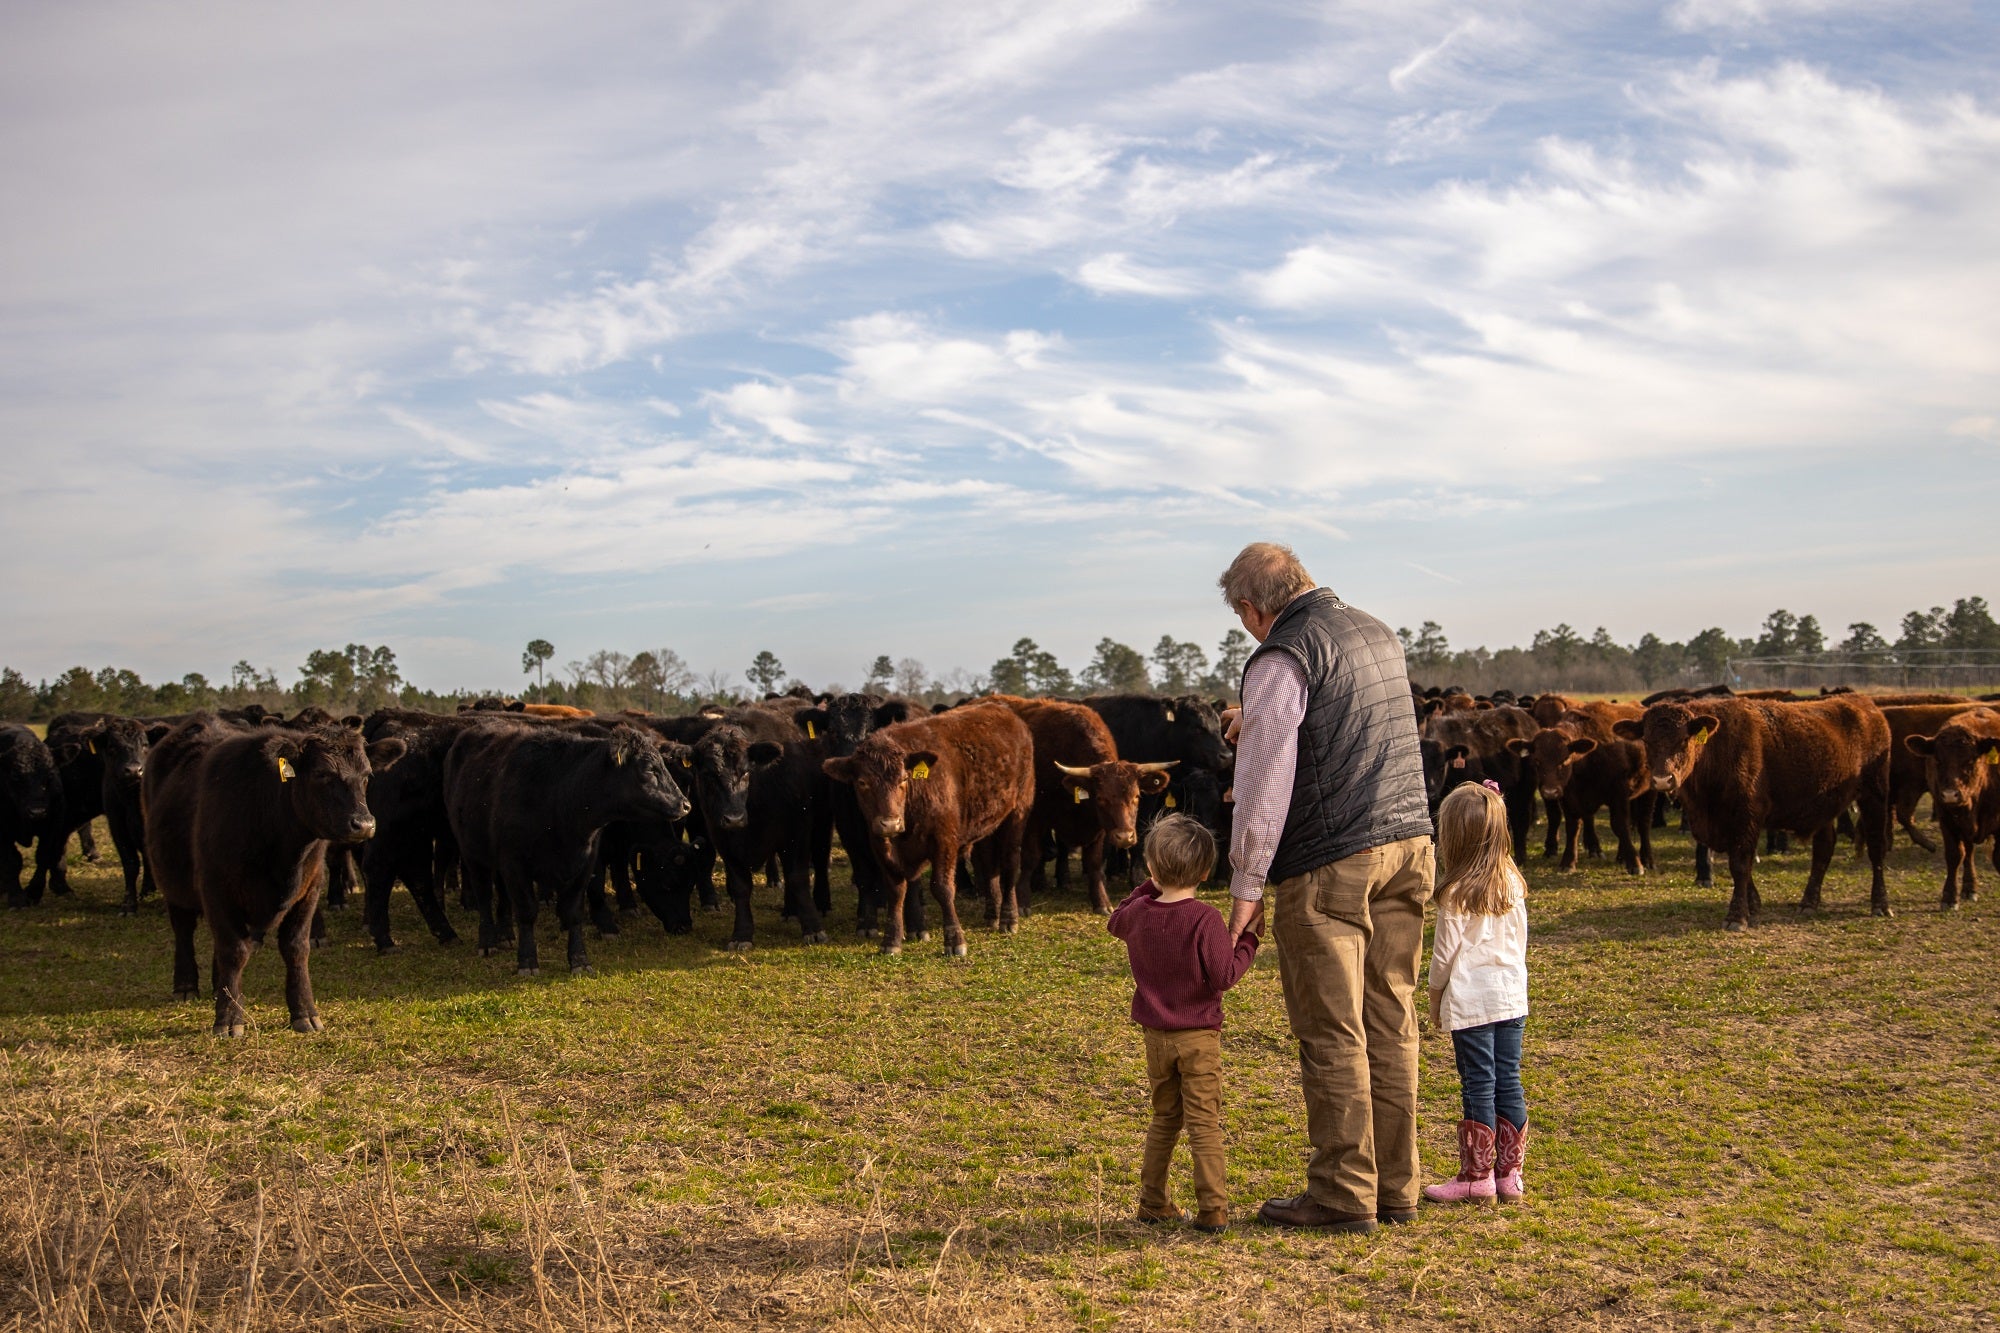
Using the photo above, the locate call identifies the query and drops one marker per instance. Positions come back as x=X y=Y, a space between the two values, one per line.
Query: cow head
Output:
x=324 y=774
x=722 y=762
x=1197 y=793
x=1675 y=736
x=1963 y=762
x=28 y=770
x=1445 y=766
x=121 y=745
x=636 y=765
x=1112 y=790
x=1197 y=729
x=1554 y=752
x=845 y=720
x=882 y=772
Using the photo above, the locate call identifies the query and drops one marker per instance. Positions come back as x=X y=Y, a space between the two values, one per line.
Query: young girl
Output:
x=1479 y=991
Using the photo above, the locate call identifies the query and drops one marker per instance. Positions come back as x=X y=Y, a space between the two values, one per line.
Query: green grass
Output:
x=1796 y=1127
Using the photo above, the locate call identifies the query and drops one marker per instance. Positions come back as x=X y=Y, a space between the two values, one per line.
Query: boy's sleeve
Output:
x=1221 y=965
x=1123 y=915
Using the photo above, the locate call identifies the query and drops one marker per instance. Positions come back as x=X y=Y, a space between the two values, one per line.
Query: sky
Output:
x=905 y=328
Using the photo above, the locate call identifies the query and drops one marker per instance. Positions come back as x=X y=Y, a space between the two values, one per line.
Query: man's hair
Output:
x=1266 y=575
x=1179 y=852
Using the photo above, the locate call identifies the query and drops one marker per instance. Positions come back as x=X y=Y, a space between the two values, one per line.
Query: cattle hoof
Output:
x=319 y=942
x=584 y=970
x=449 y=938
x=1883 y=911
x=1948 y=905
x=817 y=937
x=336 y=907
x=129 y=909
x=228 y=1029
x=922 y=936
x=607 y=928
x=866 y=932
x=711 y=907
x=954 y=951
x=189 y=994
x=527 y=971
x=1735 y=925
x=738 y=946
x=1007 y=927
x=383 y=948
x=487 y=950
x=312 y=1023
x=892 y=950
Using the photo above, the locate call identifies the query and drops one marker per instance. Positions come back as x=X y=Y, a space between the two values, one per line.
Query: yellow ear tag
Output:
x=687 y=763
x=285 y=773
x=811 y=735
x=1993 y=756
x=1172 y=804
x=1078 y=794
x=1170 y=715
x=1701 y=737
x=921 y=771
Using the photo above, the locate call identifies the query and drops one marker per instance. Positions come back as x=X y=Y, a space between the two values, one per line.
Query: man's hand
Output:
x=1232 y=723
x=1244 y=914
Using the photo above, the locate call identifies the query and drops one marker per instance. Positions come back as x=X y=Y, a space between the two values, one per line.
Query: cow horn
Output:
x=1069 y=772
x=1156 y=767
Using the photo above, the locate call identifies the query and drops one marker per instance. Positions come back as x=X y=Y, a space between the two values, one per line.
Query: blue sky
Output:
x=912 y=329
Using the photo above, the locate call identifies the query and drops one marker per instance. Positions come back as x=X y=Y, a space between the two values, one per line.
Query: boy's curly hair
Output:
x=1179 y=852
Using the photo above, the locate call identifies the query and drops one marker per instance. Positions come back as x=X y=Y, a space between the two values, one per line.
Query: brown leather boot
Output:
x=1212 y=1220
x=1305 y=1211
x=1166 y=1213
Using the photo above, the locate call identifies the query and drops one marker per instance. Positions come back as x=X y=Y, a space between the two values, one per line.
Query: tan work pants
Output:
x=1349 y=937
x=1185 y=1069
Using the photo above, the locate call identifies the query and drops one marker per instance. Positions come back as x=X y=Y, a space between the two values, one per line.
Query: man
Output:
x=1331 y=816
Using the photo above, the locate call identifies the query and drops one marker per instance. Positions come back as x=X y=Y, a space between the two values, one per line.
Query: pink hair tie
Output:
x=1492 y=786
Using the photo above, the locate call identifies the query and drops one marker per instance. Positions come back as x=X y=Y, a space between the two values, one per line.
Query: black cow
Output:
x=102 y=762
x=1185 y=730
x=526 y=805
x=764 y=799
x=31 y=809
x=237 y=824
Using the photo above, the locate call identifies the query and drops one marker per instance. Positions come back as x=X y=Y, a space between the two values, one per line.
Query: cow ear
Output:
x=280 y=749
x=1153 y=783
x=676 y=754
x=353 y=721
x=158 y=732
x=812 y=721
x=1432 y=706
x=66 y=752
x=518 y=706
x=1481 y=705
x=1519 y=746
x=1456 y=755
x=1921 y=745
x=892 y=712
x=766 y=752
x=1582 y=745
x=383 y=754
x=840 y=770
x=1706 y=722
x=919 y=759
x=1629 y=728
x=1989 y=749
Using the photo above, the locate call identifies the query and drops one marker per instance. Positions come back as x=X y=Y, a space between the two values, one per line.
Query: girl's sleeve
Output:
x=1445 y=943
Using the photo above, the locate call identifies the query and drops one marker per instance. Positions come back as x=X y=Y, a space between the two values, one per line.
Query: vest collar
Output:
x=1299 y=606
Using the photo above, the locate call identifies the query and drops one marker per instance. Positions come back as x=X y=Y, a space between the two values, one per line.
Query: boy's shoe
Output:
x=1510 y=1150
x=1474 y=1181
x=1305 y=1211
x=1211 y=1220
x=1154 y=1217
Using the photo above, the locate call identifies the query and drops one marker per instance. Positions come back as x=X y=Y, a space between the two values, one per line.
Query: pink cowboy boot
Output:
x=1510 y=1150
x=1474 y=1181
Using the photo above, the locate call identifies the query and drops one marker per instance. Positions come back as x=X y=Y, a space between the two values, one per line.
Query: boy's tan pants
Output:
x=1185 y=1069
x=1349 y=939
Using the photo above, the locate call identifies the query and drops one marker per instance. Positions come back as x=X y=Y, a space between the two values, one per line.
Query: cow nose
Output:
x=1552 y=792
x=735 y=821
x=135 y=772
x=364 y=827
x=1124 y=839
x=1663 y=783
x=889 y=826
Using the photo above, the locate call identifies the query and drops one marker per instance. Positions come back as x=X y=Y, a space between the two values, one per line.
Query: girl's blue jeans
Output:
x=1489 y=1072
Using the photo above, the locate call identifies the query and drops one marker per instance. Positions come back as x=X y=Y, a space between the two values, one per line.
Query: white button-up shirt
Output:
x=1481 y=963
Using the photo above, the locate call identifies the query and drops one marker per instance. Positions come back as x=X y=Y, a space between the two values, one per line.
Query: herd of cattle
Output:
x=249 y=819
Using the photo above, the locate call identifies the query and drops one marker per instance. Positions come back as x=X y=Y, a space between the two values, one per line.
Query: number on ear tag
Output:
x=285 y=773
x=921 y=771
x=1701 y=737
x=1172 y=804
x=1458 y=762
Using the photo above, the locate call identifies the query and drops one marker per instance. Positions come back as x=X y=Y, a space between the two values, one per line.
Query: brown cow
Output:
x=1964 y=763
x=237 y=826
x=1580 y=764
x=1084 y=793
x=1741 y=766
x=962 y=780
x=1911 y=700
x=1909 y=773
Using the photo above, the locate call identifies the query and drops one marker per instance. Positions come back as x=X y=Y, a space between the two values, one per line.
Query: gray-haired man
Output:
x=1331 y=816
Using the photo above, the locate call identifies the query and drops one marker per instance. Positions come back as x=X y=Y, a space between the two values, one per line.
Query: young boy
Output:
x=1182 y=961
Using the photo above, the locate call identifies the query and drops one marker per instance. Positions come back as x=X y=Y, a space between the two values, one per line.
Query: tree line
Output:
x=1940 y=646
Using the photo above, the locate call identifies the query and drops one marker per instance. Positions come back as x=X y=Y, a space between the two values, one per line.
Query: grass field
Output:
x=1792 y=1128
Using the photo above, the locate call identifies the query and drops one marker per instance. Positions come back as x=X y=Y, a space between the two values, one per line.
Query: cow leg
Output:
x=232 y=951
x=799 y=871
x=1591 y=846
x=914 y=925
x=476 y=889
x=1093 y=874
x=1777 y=841
x=1743 y=900
x=738 y=878
x=820 y=852
x=1038 y=879
x=590 y=891
x=1873 y=800
x=704 y=873
x=1620 y=808
x=1552 y=812
x=51 y=875
x=424 y=892
x=187 y=974
x=894 y=891
x=944 y=870
x=86 y=841
x=1704 y=866
x=570 y=912
x=10 y=872
x=520 y=888
x=130 y=861
x=378 y=881
x=1646 y=808
x=1954 y=855
x=295 y=948
x=1012 y=848
x=1061 y=860
x=1822 y=856
x=1906 y=815
x=1572 y=821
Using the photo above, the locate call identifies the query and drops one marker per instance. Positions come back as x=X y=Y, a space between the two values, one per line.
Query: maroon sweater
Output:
x=1181 y=959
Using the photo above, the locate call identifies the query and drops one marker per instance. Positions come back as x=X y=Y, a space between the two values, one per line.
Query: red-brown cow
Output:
x=1909 y=773
x=929 y=789
x=1741 y=766
x=1581 y=765
x=1963 y=760
x=1084 y=793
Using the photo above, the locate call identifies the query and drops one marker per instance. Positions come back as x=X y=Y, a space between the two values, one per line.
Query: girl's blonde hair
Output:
x=1476 y=870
